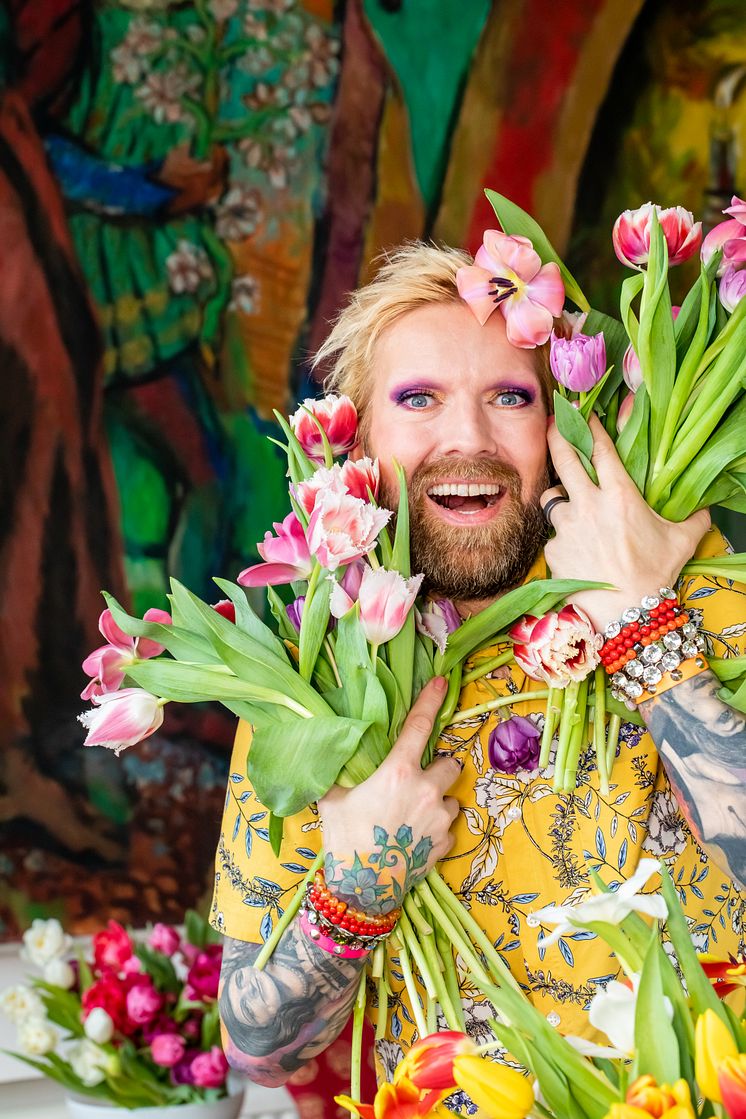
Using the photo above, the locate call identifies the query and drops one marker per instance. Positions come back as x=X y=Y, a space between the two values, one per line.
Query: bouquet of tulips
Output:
x=668 y=384
x=675 y=1049
x=135 y=1024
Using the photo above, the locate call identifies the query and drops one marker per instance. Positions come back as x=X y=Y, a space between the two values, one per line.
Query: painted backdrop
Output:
x=187 y=192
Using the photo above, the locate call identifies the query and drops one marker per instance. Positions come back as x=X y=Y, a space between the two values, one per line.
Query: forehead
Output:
x=445 y=340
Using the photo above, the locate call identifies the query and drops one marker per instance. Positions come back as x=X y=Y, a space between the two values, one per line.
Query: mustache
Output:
x=465 y=470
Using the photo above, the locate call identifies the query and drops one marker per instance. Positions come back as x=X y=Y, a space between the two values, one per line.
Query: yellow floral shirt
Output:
x=518 y=846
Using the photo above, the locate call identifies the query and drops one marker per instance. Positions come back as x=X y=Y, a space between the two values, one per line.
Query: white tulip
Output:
x=87 y=1061
x=99 y=1026
x=59 y=973
x=45 y=941
x=36 y=1036
x=20 y=1002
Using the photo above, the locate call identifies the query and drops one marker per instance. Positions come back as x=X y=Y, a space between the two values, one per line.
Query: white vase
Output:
x=226 y=1108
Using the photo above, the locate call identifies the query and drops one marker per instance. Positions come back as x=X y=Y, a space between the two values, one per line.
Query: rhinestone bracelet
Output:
x=644 y=660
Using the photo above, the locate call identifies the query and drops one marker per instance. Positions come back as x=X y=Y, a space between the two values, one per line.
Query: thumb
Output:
x=410 y=745
x=698 y=524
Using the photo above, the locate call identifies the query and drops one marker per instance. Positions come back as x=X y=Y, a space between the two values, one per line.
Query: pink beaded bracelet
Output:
x=327 y=944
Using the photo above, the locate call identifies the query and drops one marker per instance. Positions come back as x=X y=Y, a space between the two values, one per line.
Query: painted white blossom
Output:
x=21 y=1002
x=45 y=941
x=36 y=1036
x=59 y=973
x=610 y=907
x=188 y=266
x=99 y=1026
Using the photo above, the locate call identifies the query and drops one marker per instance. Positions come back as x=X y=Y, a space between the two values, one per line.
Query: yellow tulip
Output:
x=713 y=1042
x=626 y=1111
x=501 y=1091
x=660 y=1100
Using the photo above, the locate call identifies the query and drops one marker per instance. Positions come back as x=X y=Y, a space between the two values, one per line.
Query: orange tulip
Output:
x=429 y=1063
x=659 y=1100
x=732 y=1081
x=401 y=1100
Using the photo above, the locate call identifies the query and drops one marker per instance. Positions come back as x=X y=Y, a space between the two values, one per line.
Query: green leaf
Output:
x=700 y=989
x=396 y=708
x=656 y=1045
x=400 y=649
x=314 y=622
x=353 y=663
x=631 y=288
x=728 y=668
x=159 y=967
x=691 y=309
x=300 y=465
x=574 y=428
x=248 y=621
x=724 y=447
x=195 y=928
x=312 y=756
x=180 y=641
x=632 y=444
x=656 y=348
x=277 y=606
x=516 y=222
x=276 y=827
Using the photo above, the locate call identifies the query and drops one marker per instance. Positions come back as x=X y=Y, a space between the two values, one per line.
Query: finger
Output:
x=698 y=524
x=553 y=500
x=452 y=807
x=568 y=466
x=609 y=466
x=418 y=725
x=444 y=772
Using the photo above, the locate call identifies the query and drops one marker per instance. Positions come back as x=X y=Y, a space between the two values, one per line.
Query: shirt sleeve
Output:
x=253 y=886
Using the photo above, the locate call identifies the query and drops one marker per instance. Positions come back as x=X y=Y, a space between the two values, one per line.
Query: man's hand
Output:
x=384 y=835
x=608 y=533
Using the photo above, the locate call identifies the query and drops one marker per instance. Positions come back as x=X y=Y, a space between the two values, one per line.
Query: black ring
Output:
x=547 y=510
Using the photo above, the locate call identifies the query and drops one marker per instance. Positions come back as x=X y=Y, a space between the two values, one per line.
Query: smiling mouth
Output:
x=465 y=497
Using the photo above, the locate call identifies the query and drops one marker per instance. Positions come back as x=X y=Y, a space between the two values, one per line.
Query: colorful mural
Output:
x=188 y=190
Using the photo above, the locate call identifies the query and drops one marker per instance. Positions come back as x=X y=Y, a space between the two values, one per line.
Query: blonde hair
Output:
x=412 y=276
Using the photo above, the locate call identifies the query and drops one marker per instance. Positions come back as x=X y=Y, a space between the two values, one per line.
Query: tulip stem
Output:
x=417 y=951
x=373 y=656
x=332 y=661
x=451 y=977
x=494 y=704
x=488 y=666
x=356 y=1054
x=612 y=741
x=599 y=729
x=575 y=740
x=397 y=943
x=288 y=916
x=551 y=718
x=568 y=719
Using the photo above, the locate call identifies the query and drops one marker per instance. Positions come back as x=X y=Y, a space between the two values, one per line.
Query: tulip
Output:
x=343 y=528
x=513 y=745
x=120 y=719
x=164 y=938
x=107 y=665
x=401 y=1100
x=226 y=609
x=143 y=1002
x=508 y=273
x=713 y=1042
x=37 y=1037
x=610 y=907
x=631 y=370
x=209 y=1070
x=360 y=476
x=294 y=611
x=631 y=234
x=579 y=362
x=437 y=619
x=286 y=554
x=385 y=600
x=321 y=481
x=344 y=593
x=558 y=648
x=337 y=416
x=732 y=1082
x=429 y=1063
x=673 y=1102
x=60 y=974
x=625 y=411
x=167 y=1049
x=729 y=235
x=45 y=940
x=501 y=1091
x=732 y=286
x=725 y=975
x=98 y=1025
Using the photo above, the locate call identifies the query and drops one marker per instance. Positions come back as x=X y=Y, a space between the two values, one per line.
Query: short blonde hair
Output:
x=413 y=275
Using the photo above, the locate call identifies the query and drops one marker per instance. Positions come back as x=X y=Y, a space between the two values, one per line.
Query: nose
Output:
x=469 y=430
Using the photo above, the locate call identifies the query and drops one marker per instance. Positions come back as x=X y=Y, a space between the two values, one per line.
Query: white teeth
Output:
x=463 y=489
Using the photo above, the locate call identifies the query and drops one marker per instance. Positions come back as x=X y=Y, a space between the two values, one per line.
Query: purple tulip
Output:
x=513 y=745
x=578 y=363
x=438 y=619
x=295 y=611
x=732 y=287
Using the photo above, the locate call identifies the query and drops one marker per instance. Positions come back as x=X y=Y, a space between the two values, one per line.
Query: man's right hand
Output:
x=385 y=834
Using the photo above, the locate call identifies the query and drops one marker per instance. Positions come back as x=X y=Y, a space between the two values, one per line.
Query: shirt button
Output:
x=514 y=813
x=553 y=1018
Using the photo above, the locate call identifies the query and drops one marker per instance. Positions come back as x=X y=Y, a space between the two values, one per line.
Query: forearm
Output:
x=275 y=1020
x=702 y=742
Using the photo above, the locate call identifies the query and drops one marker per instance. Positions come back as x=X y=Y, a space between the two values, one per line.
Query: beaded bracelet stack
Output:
x=648 y=644
x=328 y=917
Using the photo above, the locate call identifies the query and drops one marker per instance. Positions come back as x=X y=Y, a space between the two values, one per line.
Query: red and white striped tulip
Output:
x=631 y=234
x=338 y=417
x=121 y=719
x=559 y=648
x=732 y=1082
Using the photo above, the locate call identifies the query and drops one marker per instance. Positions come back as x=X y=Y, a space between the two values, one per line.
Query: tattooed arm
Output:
x=276 y=1019
x=702 y=742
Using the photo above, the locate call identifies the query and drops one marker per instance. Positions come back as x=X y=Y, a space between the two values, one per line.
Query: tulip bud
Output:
x=513 y=745
x=578 y=363
x=631 y=370
x=122 y=718
x=385 y=599
x=60 y=974
x=631 y=234
x=429 y=1063
x=732 y=1082
x=338 y=418
x=713 y=1042
x=498 y=1089
x=625 y=411
x=99 y=1026
x=732 y=287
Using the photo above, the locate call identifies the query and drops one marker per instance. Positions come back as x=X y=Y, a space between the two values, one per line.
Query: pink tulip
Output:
x=579 y=362
x=226 y=609
x=730 y=236
x=437 y=619
x=559 y=648
x=286 y=554
x=164 y=938
x=508 y=273
x=345 y=593
x=385 y=599
x=321 y=481
x=732 y=287
x=625 y=411
x=343 y=528
x=209 y=1070
x=120 y=719
x=143 y=1003
x=338 y=417
x=361 y=476
x=167 y=1049
x=631 y=369
x=631 y=234
x=107 y=665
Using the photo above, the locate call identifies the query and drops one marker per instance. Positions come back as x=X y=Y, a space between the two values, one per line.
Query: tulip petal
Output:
x=514 y=253
x=474 y=287
x=269 y=575
x=548 y=289
x=527 y=324
x=113 y=634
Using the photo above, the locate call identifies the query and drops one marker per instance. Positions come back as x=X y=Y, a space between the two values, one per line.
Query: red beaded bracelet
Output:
x=339 y=914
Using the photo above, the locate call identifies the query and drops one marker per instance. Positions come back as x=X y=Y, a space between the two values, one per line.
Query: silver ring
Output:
x=547 y=510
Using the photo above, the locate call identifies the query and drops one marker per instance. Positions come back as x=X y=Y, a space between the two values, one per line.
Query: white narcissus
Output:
x=613 y=1010
x=45 y=941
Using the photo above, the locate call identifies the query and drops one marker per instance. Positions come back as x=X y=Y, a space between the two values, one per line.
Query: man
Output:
x=466 y=414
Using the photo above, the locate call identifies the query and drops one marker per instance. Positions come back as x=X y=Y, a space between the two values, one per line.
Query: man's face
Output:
x=461 y=410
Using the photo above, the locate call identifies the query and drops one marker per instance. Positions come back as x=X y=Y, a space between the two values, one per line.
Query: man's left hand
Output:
x=608 y=533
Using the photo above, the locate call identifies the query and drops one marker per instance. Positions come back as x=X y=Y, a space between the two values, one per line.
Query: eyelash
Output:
x=525 y=396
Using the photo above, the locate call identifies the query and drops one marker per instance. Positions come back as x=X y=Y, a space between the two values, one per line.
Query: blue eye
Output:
x=511 y=398
x=417 y=400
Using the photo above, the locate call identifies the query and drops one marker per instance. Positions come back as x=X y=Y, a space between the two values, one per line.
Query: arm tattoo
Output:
x=702 y=742
x=376 y=881
x=277 y=1019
